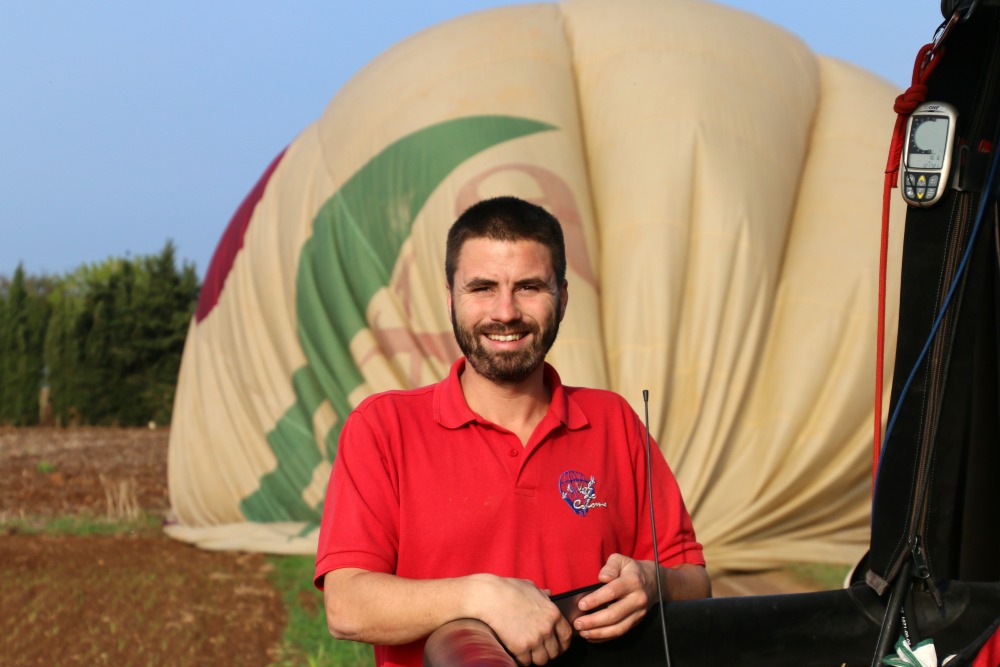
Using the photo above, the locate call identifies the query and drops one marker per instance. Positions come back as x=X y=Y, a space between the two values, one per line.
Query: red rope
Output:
x=927 y=59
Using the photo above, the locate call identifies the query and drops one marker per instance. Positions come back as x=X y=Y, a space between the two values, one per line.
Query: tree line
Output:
x=100 y=345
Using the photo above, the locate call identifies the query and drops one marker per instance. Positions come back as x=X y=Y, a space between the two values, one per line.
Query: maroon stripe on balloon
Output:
x=230 y=245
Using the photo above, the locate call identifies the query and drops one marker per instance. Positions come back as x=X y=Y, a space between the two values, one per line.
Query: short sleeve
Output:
x=360 y=524
x=675 y=536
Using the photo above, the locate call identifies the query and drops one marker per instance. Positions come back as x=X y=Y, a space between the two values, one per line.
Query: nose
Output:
x=505 y=308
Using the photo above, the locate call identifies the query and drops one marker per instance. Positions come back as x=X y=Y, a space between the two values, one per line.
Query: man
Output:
x=478 y=496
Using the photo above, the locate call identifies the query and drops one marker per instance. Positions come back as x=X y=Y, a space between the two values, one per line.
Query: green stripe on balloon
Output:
x=356 y=240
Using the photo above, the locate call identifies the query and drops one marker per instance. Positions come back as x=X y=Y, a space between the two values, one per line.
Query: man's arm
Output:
x=380 y=608
x=630 y=590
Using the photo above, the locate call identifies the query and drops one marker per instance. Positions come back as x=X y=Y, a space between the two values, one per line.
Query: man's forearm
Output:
x=683 y=582
x=381 y=608
x=386 y=609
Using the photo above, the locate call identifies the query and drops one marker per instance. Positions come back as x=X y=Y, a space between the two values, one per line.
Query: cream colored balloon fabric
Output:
x=720 y=188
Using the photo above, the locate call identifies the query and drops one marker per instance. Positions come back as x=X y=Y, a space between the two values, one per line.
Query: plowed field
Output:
x=137 y=598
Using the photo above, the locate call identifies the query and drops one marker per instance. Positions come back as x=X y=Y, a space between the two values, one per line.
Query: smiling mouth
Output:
x=506 y=338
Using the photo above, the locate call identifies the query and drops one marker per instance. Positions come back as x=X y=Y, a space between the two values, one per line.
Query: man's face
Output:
x=505 y=307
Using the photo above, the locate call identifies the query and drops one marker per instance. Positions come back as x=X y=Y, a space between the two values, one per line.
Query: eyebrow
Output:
x=479 y=282
x=486 y=282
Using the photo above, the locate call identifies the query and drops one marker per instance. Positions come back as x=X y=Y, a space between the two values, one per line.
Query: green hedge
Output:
x=101 y=345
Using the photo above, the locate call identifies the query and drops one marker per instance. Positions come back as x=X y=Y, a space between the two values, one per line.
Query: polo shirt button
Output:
x=513 y=452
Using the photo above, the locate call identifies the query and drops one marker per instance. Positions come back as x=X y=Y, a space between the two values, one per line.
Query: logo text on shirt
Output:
x=579 y=492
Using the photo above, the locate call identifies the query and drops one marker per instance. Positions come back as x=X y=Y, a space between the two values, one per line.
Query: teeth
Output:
x=504 y=339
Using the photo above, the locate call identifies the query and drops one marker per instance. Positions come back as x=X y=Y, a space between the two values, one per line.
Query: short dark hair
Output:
x=506 y=219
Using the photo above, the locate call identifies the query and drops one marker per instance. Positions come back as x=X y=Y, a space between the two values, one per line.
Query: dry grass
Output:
x=122 y=499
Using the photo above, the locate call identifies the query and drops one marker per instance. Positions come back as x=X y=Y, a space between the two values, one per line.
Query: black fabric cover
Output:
x=801 y=630
x=951 y=411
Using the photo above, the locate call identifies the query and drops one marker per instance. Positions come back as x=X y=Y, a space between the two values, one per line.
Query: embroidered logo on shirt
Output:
x=579 y=492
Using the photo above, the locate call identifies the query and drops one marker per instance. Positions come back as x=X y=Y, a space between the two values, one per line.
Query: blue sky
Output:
x=125 y=124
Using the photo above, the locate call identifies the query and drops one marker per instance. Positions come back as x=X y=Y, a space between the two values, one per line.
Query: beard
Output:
x=507 y=366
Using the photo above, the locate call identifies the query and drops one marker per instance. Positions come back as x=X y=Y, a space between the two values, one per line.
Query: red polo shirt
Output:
x=423 y=488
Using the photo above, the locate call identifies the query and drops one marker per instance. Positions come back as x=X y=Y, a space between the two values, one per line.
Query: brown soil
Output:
x=132 y=599
x=49 y=472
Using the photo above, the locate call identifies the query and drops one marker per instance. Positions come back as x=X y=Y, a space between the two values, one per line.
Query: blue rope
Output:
x=987 y=196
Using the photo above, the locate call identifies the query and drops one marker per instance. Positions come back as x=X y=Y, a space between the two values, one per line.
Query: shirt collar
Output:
x=452 y=411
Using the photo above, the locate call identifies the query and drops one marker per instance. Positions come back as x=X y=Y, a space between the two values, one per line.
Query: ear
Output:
x=563 y=299
x=447 y=289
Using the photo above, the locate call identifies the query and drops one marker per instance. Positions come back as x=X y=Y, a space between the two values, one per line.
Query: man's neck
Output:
x=518 y=407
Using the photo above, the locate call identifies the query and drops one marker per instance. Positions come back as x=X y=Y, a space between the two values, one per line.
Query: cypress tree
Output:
x=62 y=351
x=4 y=347
x=24 y=322
x=98 y=390
x=165 y=304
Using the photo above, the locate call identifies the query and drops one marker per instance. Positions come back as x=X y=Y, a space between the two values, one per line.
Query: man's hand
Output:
x=527 y=623
x=630 y=590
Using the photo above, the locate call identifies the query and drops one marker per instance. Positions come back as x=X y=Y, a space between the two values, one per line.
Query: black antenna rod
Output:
x=652 y=521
